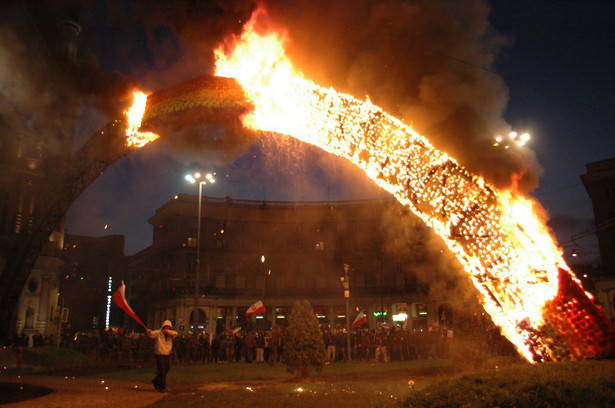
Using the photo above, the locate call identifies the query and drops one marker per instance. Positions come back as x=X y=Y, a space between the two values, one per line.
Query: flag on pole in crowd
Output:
x=359 y=320
x=405 y=326
x=256 y=308
x=236 y=330
x=119 y=298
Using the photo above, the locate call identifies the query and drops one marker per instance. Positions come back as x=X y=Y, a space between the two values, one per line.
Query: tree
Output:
x=304 y=347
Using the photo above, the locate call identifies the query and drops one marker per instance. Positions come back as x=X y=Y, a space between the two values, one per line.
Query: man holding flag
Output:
x=163 y=347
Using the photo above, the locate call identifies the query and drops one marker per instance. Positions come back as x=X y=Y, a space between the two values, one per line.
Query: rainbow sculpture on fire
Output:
x=206 y=99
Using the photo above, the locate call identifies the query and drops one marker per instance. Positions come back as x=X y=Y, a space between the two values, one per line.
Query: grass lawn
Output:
x=355 y=384
x=503 y=382
x=435 y=383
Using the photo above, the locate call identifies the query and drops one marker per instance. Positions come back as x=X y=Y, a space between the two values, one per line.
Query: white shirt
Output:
x=163 y=344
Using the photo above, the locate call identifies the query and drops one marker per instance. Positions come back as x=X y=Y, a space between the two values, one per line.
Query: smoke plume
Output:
x=427 y=62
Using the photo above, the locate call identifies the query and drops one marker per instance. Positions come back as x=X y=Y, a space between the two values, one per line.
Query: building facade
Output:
x=599 y=182
x=279 y=252
x=36 y=141
x=23 y=162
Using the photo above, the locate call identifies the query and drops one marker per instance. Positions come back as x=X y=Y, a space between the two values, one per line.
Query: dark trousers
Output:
x=163 y=363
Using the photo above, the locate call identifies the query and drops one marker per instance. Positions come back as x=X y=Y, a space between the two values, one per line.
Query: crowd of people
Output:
x=252 y=346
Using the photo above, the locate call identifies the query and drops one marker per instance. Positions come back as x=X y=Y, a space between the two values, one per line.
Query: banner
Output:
x=119 y=298
x=256 y=308
x=361 y=319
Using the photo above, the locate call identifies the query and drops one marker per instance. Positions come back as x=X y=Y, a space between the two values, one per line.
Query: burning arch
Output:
x=524 y=283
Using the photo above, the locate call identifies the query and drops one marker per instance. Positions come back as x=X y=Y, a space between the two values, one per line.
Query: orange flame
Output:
x=496 y=235
x=134 y=114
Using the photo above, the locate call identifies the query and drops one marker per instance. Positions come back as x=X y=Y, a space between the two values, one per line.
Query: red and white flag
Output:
x=256 y=308
x=119 y=298
x=360 y=319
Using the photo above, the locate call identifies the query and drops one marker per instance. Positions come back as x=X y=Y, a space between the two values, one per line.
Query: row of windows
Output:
x=296 y=282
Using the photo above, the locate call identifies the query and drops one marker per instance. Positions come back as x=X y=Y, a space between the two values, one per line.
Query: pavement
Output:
x=83 y=392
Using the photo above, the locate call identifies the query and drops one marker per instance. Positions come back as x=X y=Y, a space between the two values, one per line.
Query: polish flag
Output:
x=119 y=298
x=361 y=319
x=256 y=308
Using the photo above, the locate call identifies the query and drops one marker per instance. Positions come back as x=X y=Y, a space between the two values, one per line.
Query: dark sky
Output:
x=543 y=67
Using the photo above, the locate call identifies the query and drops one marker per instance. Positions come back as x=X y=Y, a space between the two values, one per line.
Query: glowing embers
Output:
x=134 y=114
x=575 y=327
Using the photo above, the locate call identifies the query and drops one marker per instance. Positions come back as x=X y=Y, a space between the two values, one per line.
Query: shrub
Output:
x=304 y=347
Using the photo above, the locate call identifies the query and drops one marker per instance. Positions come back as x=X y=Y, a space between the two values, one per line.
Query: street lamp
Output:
x=346 y=283
x=202 y=180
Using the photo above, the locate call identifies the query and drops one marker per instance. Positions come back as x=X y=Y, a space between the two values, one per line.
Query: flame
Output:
x=496 y=235
x=134 y=114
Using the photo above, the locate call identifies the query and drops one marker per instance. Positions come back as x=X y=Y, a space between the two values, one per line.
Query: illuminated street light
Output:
x=194 y=178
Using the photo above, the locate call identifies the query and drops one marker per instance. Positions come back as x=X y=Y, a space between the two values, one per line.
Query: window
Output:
x=421 y=309
x=340 y=315
x=281 y=314
x=400 y=312
x=32 y=285
x=241 y=315
x=322 y=314
x=320 y=246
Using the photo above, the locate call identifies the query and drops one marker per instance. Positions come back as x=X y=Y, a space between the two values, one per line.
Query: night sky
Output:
x=541 y=67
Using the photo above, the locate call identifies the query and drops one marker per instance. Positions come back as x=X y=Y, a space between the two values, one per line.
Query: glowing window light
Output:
x=108 y=312
x=401 y=317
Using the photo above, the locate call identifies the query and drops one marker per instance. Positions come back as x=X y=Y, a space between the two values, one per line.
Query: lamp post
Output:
x=202 y=180
x=346 y=282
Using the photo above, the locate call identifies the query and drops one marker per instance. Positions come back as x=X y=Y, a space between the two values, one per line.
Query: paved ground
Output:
x=84 y=393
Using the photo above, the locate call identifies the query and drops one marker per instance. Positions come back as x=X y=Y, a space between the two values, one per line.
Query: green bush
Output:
x=304 y=347
x=563 y=384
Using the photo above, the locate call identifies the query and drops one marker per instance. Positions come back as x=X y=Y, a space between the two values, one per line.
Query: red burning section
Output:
x=583 y=326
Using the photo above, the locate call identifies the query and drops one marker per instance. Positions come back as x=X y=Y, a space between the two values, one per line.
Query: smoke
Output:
x=43 y=80
x=423 y=255
x=427 y=62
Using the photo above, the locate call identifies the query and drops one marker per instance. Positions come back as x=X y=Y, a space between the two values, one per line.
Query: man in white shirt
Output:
x=163 y=347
